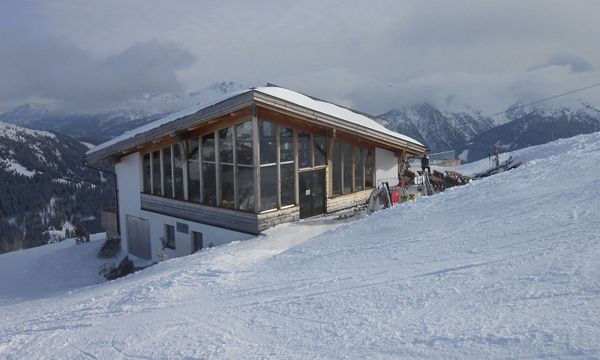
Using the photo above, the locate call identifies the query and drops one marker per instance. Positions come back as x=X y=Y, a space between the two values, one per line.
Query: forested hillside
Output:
x=44 y=188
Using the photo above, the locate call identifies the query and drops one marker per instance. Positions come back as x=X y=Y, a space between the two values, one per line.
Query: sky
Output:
x=372 y=56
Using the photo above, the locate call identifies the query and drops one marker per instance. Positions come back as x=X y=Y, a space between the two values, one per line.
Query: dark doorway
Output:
x=312 y=193
x=197 y=241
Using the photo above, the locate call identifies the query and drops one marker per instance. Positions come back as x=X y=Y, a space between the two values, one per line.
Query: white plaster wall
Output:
x=183 y=242
x=386 y=166
x=129 y=183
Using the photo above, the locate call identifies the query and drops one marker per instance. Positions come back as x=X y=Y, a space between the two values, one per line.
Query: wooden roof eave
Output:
x=324 y=119
x=170 y=129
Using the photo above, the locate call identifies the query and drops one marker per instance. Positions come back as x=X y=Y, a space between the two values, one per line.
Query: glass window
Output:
x=209 y=181
x=169 y=240
x=268 y=187
x=178 y=164
x=227 y=190
x=358 y=169
x=194 y=181
x=320 y=150
x=243 y=148
x=156 y=180
x=226 y=145
x=193 y=170
x=226 y=167
x=287 y=184
x=209 y=170
x=368 y=168
x=286 y=144
x=192 y=149
x=304 y=150
x=268 y=147
x=208 y=147
x=336 y=165
x=347 y=155
x=147 y=174
x=167 y=172
x=245 y=188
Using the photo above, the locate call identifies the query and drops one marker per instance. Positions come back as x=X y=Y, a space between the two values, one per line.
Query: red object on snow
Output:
x=395 y=196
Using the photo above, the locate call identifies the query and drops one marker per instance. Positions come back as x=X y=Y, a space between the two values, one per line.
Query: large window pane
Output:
x=245 y=188
x=208 y=147
x=147 y=174
x=192 y=149
x=209 y=180
x=337 y=168
x=368 y=168
x=268 y=187
x=304 y=151
x=268 y=147
x=347 y=154
x=194 y=181
x=320 y=150
x=244 y=151
x=156 y=180
x=286 y=141
x=226 y=145
x=358 y=168
x=227 y=190
x=167 y=173
x=287 y=184
x=179 y=163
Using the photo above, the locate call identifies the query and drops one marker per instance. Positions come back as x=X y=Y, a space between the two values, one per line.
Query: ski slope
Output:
x=506 y=267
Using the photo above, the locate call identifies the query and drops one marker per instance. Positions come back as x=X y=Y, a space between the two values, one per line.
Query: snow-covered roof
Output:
x=331 y=110
x=312 y=104
x=162 y=121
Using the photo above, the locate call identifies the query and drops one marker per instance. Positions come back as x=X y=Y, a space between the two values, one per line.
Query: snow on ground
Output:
x=505 y=267
x=51 y=269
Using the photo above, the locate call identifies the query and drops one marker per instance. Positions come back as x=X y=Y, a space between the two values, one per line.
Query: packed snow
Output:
x=504 y=267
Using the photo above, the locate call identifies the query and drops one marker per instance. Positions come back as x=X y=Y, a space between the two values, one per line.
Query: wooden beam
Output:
x=256 y=149
x=296 y=167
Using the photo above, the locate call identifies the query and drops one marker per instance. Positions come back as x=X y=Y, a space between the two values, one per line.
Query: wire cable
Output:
x=546 y=99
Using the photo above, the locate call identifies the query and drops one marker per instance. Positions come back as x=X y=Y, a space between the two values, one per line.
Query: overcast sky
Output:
x=370 y=55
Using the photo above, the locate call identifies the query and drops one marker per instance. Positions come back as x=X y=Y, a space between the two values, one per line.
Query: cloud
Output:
x=52 y=69
x=370 y=55
x=577 y=64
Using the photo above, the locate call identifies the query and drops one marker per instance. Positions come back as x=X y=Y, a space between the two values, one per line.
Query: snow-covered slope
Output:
x=506 y=267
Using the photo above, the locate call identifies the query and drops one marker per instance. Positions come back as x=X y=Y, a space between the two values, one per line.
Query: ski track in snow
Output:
x=506 y=267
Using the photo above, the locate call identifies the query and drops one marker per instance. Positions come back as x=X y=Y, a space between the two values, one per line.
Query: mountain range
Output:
x=474 y=136
x=98 y=127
